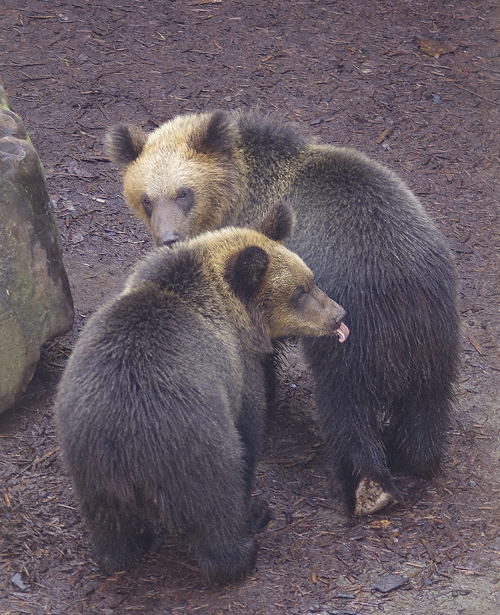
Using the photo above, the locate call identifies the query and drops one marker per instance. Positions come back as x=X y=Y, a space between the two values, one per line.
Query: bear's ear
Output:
x=246 y=271
x=217 y=137
x=124 y=143
x=278 y=223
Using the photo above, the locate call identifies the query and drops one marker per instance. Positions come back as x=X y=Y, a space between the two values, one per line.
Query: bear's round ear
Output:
x=124 y=143
x=217 y=137
x=245 y=272
x=278 y=223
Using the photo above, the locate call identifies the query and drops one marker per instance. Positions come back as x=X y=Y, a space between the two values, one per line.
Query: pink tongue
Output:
x=342 y=333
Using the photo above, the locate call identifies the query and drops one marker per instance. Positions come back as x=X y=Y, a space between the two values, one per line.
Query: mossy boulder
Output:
x=35 y=297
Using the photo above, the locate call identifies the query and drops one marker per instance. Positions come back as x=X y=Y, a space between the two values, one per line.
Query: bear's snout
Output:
x=166 y=239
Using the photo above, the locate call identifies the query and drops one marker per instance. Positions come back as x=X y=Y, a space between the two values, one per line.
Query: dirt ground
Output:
x=415 y=84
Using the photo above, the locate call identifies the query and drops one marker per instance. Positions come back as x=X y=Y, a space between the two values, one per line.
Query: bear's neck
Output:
x=267 y=162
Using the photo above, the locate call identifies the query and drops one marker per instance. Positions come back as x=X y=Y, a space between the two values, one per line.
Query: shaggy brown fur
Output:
x=160 y=408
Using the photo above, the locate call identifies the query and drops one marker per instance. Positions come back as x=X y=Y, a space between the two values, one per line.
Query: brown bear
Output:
x=384 y=398
x=160 y=408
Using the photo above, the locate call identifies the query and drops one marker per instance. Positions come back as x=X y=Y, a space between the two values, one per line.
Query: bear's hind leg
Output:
x=220 y=519
x=355 y=448
x=350 y=422
x=223 y=539
x=223 y=560
x=365 y=478
x=416 y=435
x=222 y=533
x=118 y=542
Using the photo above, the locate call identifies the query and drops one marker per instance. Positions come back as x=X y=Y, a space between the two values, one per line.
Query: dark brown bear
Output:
x=383 y=398
x=160 y=408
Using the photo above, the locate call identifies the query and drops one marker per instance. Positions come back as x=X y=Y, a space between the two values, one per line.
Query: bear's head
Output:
x=182 y=179
x=275 y=286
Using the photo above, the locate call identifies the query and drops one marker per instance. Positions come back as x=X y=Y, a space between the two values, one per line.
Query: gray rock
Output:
x=35 y=297
x=389 y=582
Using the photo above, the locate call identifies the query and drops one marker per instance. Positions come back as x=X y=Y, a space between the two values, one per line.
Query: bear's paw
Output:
x=371 y=497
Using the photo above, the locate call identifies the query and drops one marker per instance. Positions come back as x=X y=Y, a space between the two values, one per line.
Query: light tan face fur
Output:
x=298 y=306
x=292 y=303
x=160 y=176
x=168 y=163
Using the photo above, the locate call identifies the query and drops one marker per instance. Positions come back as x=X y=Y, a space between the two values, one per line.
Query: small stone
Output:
x=389 y=582
x=18 y=581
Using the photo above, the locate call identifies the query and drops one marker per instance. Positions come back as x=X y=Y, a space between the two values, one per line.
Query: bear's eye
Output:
x=147 y=204
x=298 y=294
x=185 y=199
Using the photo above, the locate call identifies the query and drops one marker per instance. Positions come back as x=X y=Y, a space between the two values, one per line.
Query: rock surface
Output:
x=35 y=297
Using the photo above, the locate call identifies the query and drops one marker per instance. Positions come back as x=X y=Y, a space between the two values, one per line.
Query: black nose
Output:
x=167 y=239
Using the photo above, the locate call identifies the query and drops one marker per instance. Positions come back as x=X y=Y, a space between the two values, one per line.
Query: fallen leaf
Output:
x=381 y=524
x=383 y=135
x=476 y=345
x=430 y=549
x=435 y=48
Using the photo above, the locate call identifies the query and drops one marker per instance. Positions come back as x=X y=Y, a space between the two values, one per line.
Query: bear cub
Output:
x=160 y=409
